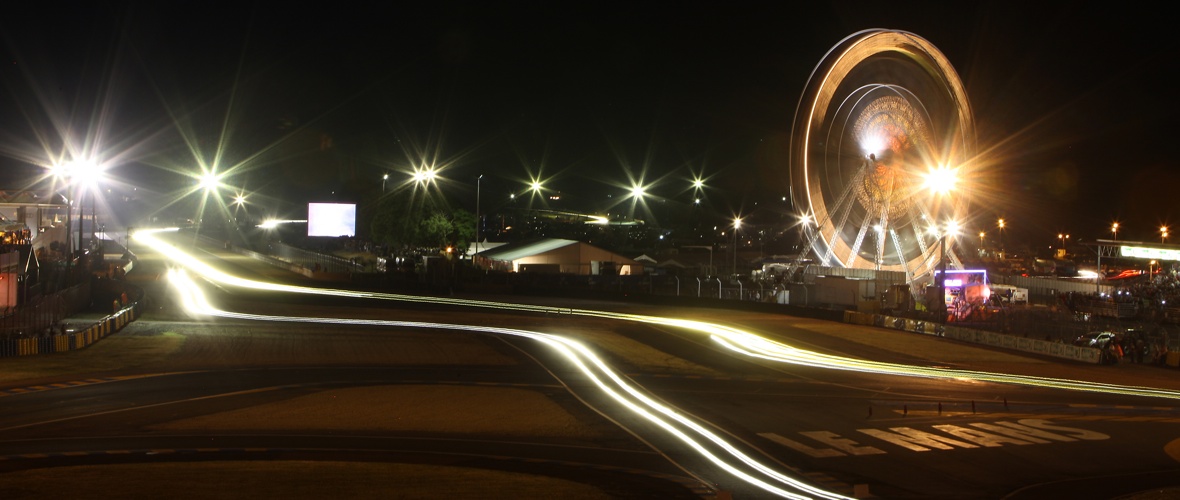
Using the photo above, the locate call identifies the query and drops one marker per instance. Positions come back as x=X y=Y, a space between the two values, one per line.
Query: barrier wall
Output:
x=69 y=341
x=992 y=339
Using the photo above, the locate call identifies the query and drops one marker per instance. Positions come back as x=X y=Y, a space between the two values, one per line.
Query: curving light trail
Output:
x=734 y=339
x=589 y=364
x=610 y=382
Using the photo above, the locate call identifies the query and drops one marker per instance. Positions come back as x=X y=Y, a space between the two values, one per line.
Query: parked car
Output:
x=1094 y=339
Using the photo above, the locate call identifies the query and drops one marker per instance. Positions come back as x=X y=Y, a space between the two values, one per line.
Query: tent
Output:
x=552 y=255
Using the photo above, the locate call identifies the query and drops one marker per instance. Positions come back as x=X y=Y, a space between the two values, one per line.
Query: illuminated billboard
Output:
x=1150 y=253
x=331 y=219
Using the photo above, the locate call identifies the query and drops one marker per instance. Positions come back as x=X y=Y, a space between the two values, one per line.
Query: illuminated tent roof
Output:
x=570 y=256
x=520 y=250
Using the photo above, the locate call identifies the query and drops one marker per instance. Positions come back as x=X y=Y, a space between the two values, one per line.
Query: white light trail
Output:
x=733 y=339
x=597 y=371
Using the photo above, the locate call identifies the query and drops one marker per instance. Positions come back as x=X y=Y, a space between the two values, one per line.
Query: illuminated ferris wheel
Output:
x=881 y=129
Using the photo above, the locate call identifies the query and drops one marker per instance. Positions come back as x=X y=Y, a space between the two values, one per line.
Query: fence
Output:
x=45 y=313
x=317 y=262
x=62 y=342
x=125 y=299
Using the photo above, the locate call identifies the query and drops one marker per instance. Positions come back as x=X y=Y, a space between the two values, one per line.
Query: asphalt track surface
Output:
x=834 y=429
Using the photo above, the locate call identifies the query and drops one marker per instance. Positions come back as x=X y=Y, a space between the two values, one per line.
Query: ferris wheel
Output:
x=883 y=119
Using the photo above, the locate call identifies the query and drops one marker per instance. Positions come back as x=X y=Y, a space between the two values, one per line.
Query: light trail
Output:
x=609 y=381
x=594 y=368
x=734 y=339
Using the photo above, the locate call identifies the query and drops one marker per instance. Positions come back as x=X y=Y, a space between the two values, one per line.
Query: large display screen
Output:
x=331 y=219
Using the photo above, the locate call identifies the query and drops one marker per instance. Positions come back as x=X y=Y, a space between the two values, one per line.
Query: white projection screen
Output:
x=331 y=219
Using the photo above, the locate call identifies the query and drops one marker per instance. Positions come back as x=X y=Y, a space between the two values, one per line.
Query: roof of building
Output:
x=26 y=197
x=521 y=249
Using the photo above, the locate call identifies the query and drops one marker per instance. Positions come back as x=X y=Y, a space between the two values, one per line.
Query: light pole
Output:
x=384 y=177
x=941 y=180
x=737 y=224
x=1062 y=237
x=81 y=218
x=1114 y=229
x=1163 y=234
x=942 y=277
x=981 y=235
x=951 y=229
x=1001 y=225
x=478 y=180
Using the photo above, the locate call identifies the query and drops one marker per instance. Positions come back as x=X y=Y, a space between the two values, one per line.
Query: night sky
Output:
x=314 y=102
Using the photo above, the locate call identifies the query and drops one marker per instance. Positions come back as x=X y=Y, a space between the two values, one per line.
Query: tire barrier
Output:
x=69 y=341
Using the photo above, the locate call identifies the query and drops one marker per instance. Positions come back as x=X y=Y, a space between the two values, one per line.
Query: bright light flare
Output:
x=941 y=180
x=872 y=144
x=425 y=175
x=86 y=173
x=209 y=181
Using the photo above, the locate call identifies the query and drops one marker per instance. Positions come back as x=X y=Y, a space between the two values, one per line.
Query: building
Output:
x=553 y=256
x=43 y=214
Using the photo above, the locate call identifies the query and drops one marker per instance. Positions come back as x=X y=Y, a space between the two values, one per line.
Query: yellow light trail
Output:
x=734 y=339
x=589 y=364
x=612 y=384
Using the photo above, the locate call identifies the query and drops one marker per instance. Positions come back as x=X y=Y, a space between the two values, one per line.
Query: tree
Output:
x=436 y=230
x=463 y=227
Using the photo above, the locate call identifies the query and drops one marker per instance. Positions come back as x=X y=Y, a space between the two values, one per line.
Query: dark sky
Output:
x=1072 y=102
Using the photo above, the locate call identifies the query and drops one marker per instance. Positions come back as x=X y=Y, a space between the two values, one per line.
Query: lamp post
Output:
x=1114 y=229
x=941 y=180
x=384 y=177
x=737 y=224
x=1001 y=225
x=1163 y=234
x=942 y=277
x=478 y=180
x=81 y=218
